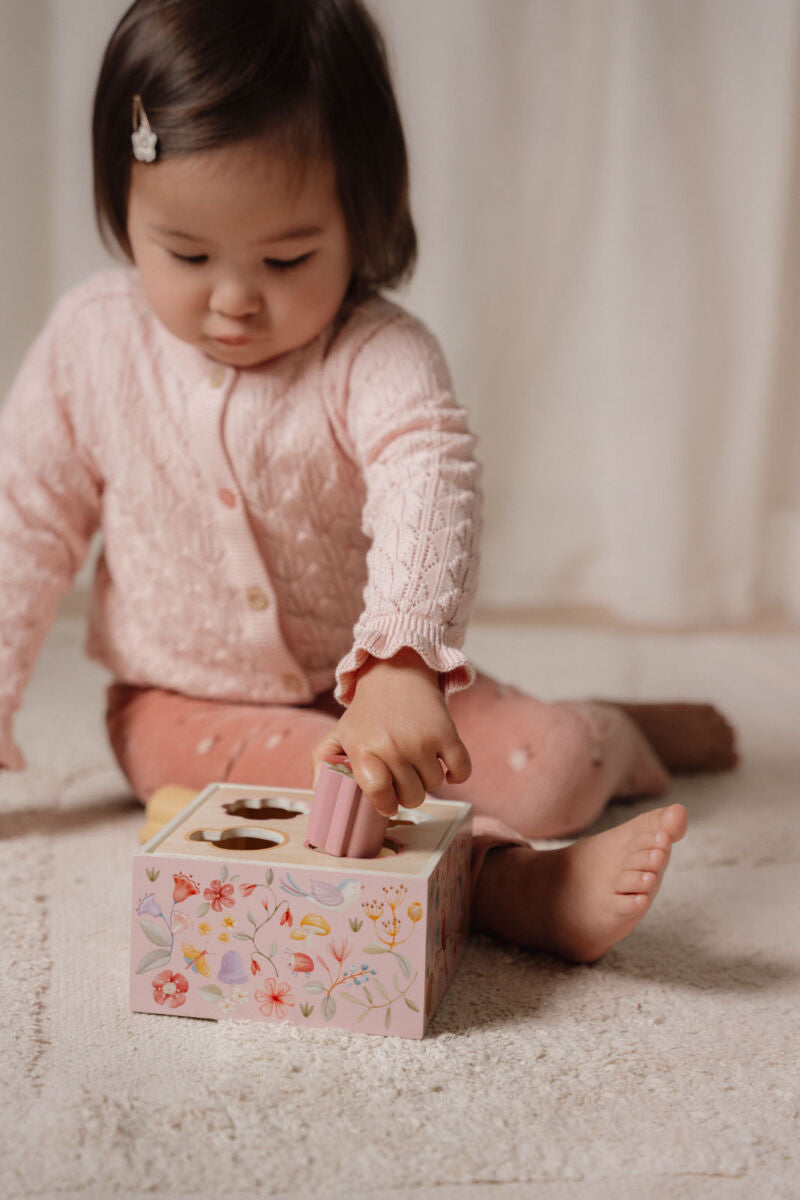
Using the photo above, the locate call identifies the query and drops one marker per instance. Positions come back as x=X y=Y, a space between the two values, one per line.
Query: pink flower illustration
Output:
x=340 y=949
x=219 y=893
x=274 y=996
x=170 y=989
x=246 y=889
x=184 y=888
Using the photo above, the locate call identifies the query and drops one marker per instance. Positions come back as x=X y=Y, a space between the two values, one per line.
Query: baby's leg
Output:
x=163 y=738
x=577 y=901
x=548 y=770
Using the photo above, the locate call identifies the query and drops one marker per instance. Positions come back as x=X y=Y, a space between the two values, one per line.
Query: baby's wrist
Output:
x=405 y=661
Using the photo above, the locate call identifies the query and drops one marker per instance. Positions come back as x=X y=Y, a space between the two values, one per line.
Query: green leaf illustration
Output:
x=410 y=1004
x=155 y=933
x=153 y=960
x=381 y=989
x=270 y=875
x=252 y=919
x=311 y=986
x=203 y=909
x=152 y=873
x=405 y=965
x=353 y=1000
x=273 y=950
x=223 y=874
x=329 y=1008
x=388 y=1020
x=369 y=995
x=212 y=993
x=243 y=937
x=374 y=948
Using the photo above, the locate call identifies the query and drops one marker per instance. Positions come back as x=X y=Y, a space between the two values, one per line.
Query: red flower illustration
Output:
x=219 y=894
x=246 y=889
x=274 y=996
x=170 y=989
x=255 y=967
x=184 y=888
x=286 y=919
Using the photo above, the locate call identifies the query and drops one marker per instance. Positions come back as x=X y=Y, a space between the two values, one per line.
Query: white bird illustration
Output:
x=321 y=891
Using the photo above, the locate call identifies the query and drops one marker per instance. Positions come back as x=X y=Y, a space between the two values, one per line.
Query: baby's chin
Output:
x=256 y=352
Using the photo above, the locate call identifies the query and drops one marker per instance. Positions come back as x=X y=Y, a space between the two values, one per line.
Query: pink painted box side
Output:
x=227 y=937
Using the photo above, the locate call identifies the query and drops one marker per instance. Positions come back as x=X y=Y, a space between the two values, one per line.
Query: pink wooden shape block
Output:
x=342 y=821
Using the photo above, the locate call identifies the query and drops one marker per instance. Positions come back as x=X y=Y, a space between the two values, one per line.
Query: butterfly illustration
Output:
x=196 y=959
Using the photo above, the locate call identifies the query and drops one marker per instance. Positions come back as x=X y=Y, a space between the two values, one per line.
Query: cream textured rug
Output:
x=670 y=1069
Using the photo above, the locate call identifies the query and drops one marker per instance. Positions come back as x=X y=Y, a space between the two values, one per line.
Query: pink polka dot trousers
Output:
x=539 y=770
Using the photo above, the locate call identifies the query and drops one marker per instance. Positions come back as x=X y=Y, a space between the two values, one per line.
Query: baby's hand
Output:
x=398 y=735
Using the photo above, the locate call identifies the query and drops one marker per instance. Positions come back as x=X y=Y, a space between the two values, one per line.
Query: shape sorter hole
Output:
x=239 y=839
x=264 y=808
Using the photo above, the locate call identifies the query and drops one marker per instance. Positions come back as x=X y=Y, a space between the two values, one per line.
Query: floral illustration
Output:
x=392 y=926
x=219 y=893
x=272 y=907
x=170 y=990
x=275 y=997
x=161 y=929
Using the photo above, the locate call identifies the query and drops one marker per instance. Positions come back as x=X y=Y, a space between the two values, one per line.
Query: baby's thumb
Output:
x=327 y=747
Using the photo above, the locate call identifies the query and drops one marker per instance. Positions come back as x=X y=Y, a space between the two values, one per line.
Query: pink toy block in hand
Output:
x=342 y=821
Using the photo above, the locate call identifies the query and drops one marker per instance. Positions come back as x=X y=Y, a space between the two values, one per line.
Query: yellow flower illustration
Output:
x=204 y=927
x=229 y=922
x=224 y=937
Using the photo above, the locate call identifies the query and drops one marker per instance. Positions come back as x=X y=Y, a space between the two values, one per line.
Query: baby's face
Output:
x=241 y=254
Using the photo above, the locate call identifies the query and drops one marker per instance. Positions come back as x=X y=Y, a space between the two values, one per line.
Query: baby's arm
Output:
x=398 y=734
x=49 y=509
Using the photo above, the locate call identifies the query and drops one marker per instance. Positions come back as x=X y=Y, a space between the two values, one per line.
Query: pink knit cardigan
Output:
x=264 y=531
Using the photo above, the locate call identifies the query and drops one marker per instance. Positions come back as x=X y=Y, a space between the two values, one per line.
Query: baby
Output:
x=287 y=488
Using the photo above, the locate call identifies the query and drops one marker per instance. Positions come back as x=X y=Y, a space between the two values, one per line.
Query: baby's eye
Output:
x=190 y=258
x=287 y=264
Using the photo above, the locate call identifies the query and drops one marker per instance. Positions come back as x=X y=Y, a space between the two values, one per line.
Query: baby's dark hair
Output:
x=311 y=74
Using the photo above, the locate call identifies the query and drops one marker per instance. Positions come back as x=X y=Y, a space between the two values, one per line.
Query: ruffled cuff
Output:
x=383 y=639
x=11 y=757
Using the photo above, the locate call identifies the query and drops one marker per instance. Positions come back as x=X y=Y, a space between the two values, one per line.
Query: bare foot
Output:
x=686 y=737
x=578 y=901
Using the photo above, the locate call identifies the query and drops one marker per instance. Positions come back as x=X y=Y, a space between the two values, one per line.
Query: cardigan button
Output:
x=256 y=599
x=216 y=376
x=227 y=497
x=292 y=683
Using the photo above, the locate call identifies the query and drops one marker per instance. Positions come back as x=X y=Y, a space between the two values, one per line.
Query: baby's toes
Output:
x=651 y=859
x=633 y=904
x=637 y=882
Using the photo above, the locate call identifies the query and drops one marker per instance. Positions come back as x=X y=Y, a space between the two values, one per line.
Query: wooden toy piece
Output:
x=342 y=821
x=236 y=917
x=162 y=806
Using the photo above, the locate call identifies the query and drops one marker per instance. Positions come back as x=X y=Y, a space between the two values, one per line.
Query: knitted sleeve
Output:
x=422 y=508
x=49 y=509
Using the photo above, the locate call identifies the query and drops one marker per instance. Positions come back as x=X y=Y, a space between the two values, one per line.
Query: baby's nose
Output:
x=235 y=298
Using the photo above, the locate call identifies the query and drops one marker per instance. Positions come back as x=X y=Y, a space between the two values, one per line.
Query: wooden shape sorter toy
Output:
x=235 y=917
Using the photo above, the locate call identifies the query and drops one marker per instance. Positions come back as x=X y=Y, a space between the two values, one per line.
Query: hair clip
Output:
x=143 y=139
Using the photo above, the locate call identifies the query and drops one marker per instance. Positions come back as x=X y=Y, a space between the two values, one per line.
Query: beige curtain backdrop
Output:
x=608 y=200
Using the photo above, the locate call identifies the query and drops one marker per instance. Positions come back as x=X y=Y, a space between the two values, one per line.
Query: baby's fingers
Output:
x=327 y=747
x=456 y=760
x=376 y=782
